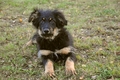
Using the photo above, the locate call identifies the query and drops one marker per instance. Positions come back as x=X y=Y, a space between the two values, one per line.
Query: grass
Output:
x=94 y=24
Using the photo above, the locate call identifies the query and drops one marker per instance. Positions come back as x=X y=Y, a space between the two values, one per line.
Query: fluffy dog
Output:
x=54 y=42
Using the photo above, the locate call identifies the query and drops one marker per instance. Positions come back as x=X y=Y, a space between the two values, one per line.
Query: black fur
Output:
x=63 y=39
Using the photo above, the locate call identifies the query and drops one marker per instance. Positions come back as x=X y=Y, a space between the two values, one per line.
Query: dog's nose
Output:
x=46 y=31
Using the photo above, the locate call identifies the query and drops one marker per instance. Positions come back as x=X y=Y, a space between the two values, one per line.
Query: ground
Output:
x=94 y=24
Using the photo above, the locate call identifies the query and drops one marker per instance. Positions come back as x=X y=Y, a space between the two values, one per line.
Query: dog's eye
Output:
x=50 y=19
x=43 y=19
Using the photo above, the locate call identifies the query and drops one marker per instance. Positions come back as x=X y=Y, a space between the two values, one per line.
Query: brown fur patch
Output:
x=39 y=32
x=69 y=66
x=44 y=52
x=49 y=69
x=55 y=33
x=65 y=50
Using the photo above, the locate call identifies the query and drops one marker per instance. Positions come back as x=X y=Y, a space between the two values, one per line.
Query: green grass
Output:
x=94 y=24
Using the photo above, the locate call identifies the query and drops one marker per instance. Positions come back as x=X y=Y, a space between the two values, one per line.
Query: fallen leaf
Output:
x=117 y=53
x=20 y=20
x=82 y=77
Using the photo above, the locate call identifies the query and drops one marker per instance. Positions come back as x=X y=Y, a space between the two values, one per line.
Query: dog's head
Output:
x=48 y=23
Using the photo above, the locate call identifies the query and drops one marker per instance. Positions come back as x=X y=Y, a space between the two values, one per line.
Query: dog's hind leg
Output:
x=33 y=40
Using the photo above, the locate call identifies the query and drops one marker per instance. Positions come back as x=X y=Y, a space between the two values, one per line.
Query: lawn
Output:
x=94 y=25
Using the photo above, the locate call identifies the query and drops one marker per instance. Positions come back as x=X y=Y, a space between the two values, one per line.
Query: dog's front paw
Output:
x=50 y=73
x=49 y=70
x=70 y=70
x=69 y=67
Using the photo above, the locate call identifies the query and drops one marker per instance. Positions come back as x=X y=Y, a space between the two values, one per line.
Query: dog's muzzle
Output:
x=46 y=31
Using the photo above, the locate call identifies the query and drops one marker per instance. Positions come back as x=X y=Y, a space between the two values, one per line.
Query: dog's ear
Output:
x=61 y=21
x=34 y=17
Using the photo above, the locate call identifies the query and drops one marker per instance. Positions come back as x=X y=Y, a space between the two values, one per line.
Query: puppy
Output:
x=53 y=41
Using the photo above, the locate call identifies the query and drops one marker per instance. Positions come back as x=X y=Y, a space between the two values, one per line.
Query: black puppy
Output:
x=53 y=40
